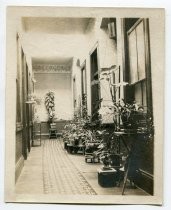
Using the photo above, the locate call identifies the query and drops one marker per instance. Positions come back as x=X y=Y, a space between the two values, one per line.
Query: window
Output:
x=136 y=53
x=137 y=71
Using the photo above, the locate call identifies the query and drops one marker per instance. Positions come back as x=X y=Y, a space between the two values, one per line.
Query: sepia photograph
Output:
x=84 y=105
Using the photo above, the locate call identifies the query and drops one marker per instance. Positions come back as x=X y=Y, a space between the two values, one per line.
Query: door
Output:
x=84 y=90
x=95 y=87
x=26 y=146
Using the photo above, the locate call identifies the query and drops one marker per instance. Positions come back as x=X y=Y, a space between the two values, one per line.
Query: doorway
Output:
x=95 y=87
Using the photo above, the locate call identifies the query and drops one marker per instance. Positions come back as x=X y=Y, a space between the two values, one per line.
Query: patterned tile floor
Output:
x=49 y=169
x=60 y=176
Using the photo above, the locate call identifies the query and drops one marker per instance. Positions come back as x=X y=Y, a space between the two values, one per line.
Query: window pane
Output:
x=141 y=51
x=133 y=57
x=144 y=93
x=138 y=94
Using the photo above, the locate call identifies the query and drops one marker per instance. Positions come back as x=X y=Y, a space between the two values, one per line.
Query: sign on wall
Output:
x=51 y=68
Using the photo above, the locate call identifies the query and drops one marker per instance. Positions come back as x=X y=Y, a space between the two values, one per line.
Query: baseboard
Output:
x=145 y=181
x=18 y=167
x=47 y=134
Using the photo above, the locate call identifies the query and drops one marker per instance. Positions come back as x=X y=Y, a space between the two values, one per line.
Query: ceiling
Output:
x=55 y=40
x=55 y=25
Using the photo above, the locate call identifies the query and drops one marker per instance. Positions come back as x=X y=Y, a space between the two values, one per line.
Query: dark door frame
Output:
x=94 y=81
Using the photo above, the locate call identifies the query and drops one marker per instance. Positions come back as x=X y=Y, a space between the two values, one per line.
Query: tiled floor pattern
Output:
x=49 y=169
x=60 y=176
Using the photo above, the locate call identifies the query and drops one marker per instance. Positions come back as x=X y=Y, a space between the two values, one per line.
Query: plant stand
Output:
x=107 y=177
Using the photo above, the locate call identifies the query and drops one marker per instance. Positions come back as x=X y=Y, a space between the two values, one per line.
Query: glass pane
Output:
x=133 y=57
x=141 y=51
x=144 y=94
x=138 y=94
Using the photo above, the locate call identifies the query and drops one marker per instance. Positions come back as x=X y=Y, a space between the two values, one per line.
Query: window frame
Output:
x=147 y=61
x=128 y=33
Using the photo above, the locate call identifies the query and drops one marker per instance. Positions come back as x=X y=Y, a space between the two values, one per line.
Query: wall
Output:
x=111 y=54
x=107 y=55
x=77 y=46
x=58 y=45
x=60 y=84
x=14 y=138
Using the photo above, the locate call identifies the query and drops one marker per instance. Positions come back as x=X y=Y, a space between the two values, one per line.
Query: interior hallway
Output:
x=51 y=170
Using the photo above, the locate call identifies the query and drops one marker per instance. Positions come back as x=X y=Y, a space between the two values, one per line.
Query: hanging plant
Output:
x=50 y=105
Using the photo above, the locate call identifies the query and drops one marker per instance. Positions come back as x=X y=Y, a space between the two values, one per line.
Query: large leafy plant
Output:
x=129 y=115
x=50 y=105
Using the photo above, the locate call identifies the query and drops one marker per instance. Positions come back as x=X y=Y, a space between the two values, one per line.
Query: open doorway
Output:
x=95 y=87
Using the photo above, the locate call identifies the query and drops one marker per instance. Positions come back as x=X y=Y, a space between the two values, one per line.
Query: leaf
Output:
x=104 y=73
x=101 y=78
x=124 y=83
x=114 y=84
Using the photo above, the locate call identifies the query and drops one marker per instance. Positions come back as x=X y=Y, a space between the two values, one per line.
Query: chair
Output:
x=37 y=132
x=53 y=131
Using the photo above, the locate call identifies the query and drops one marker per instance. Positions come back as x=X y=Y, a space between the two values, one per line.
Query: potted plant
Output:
x=127 y=118
x=50 y=106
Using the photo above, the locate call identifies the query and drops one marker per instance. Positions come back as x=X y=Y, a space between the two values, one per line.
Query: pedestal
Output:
x=107 y=177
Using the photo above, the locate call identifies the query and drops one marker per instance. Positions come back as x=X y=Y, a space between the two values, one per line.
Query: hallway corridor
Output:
x=51 y=170
x=93 y=79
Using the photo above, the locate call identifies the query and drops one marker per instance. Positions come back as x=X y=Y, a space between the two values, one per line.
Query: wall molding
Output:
x=51 y=68
x=144 y=181
x=145 y=173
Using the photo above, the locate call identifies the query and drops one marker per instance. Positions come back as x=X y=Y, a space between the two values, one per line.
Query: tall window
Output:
x=137 y=73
